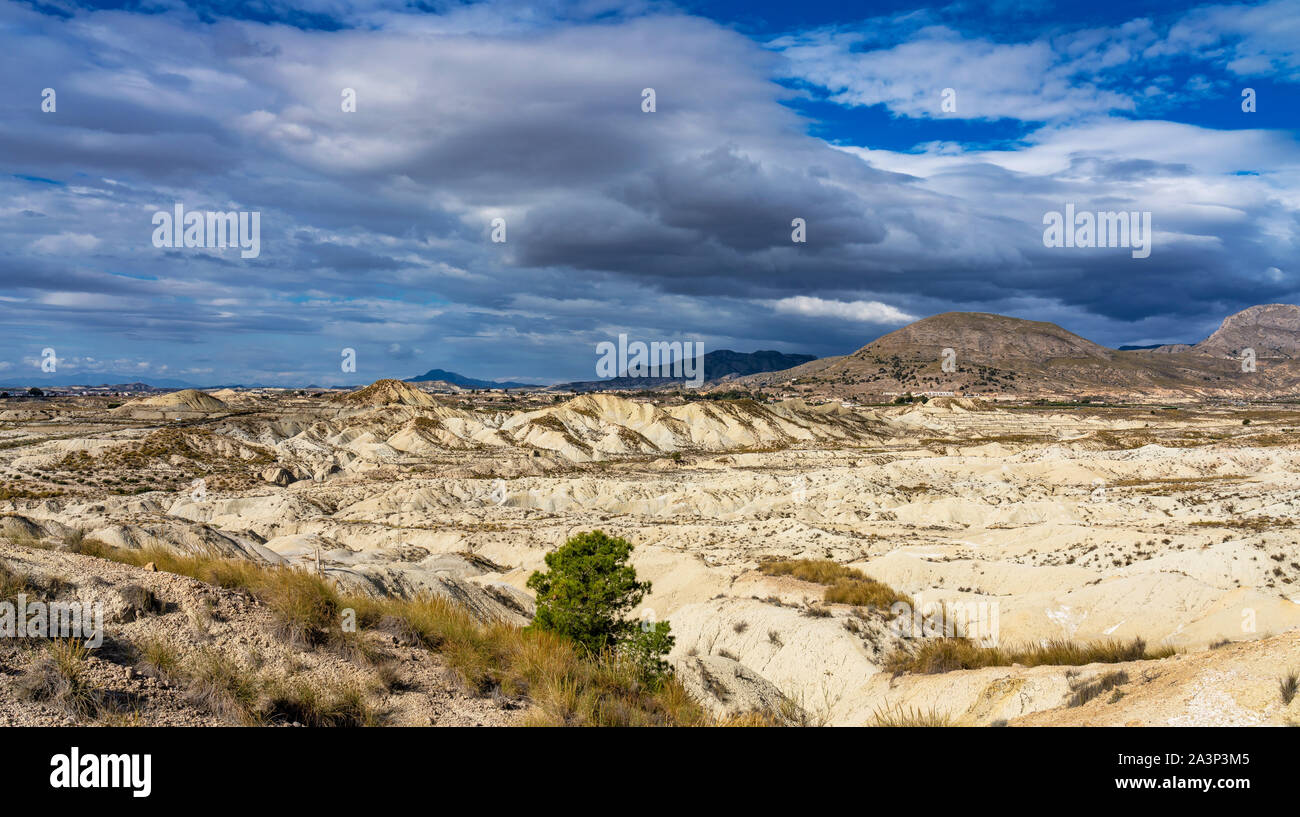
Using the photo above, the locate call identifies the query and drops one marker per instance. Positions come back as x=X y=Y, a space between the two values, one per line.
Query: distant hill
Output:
x=984 y=337
x=187 y=399
x=468 y=382
x=385 y=393
x=719 y=365
x=997 y=354
x=1272 y=330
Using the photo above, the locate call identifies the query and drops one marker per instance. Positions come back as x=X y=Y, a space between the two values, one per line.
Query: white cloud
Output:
x=1036 y=81
x=1067 y=75
x=64 y=243
x=864 y=311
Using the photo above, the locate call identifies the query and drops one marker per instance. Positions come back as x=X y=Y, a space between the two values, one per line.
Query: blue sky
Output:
x=672 y=225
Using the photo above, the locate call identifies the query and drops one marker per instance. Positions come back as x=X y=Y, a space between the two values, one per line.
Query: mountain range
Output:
x=434 y=375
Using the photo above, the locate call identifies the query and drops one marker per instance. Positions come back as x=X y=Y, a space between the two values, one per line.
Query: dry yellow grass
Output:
x=845 y=585
x=949 y=654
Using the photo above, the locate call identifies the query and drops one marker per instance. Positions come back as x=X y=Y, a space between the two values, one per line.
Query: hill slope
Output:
x=386 y=393
x=984 y=338
x=1272 y=330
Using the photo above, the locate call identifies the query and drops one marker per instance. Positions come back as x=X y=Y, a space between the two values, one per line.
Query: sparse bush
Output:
x=304 y=604
x=340 y=704
x=142 y=600
x=218 y=685
x=159 y=658
x=61 y=679
x=85 y=546
x=1288 y=685
x=817 y=571
x=13 y=583
x=864 y=593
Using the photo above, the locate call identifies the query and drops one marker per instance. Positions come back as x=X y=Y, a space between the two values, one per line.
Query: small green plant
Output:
x=586 y=591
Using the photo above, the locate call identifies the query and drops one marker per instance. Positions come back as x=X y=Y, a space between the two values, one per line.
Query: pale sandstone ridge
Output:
x=188 y=399
x=228 y=395
x=390 y=420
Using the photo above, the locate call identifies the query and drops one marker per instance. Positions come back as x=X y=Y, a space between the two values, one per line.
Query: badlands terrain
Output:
x=1173 y=524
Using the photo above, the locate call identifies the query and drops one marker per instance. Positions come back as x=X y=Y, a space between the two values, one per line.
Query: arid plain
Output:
x=1079 y=523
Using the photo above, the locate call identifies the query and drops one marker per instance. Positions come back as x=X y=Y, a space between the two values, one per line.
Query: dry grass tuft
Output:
x=910 y=716
x=1288 y=685
x=1085 y=692
x=337 y=704
x=220 y=686
x=160 y=659
x=817 y=571
x=60 y=678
